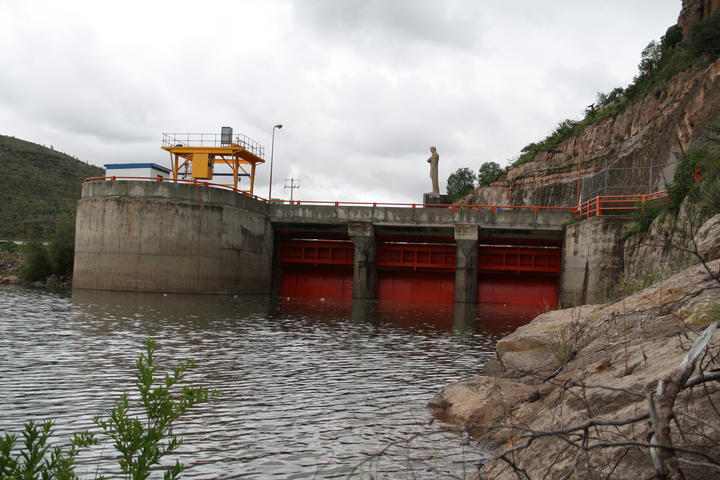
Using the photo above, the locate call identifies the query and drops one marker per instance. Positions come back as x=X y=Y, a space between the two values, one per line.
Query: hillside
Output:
x=38 y=186
x=631 y=138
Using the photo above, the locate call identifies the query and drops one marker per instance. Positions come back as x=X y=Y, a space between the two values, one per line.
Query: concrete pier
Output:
x=466 y=268
x=362 y=235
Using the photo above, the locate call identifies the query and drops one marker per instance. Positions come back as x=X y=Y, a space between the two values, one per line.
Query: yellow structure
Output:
x=198 y=153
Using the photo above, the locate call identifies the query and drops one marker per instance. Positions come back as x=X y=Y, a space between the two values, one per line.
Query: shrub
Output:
x=684 y=181
x=141 y=442
x=61 y=250
x=644 y=217
x=705 y=36
x=36 y=263
x=710 y=197
x=33 y=461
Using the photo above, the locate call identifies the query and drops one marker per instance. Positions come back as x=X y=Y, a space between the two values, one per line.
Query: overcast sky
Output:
x=362 y=87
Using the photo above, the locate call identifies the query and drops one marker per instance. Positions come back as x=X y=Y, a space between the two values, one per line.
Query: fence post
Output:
x=642 y=203
x=598 y=210
x=605 y=189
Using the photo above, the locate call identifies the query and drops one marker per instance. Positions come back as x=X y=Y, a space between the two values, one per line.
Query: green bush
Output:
x=36 y=262
x=33 y=461
x=705 y=36
x=685 y=182
x=57 y=258
x=61 y=250
x=141 y=441
x=644 y=217
x=710 y=197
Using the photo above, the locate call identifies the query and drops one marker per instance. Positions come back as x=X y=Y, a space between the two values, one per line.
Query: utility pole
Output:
x=294 y=183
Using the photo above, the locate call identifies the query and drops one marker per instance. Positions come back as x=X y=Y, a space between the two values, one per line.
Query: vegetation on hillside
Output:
x=39 y=186
x=660 y=61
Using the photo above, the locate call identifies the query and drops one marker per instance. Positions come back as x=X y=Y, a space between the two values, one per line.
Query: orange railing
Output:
x=494 y=208
x=617 y=204
x=193 y=181
x=601 y=205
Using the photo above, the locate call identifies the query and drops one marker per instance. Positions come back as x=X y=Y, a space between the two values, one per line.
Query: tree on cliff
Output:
x=460 y=183
x=488 y=173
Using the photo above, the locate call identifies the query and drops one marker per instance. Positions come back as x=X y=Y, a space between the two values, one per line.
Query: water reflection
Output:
x=307 y=389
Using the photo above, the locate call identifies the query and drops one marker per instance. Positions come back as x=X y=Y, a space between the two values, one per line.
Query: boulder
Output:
x=531 y=353
x=479 y=400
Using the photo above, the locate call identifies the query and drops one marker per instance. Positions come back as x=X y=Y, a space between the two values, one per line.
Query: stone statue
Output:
x=433 y=161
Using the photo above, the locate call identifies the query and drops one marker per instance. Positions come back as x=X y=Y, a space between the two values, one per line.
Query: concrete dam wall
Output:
x=147 y=236
x=172 y=238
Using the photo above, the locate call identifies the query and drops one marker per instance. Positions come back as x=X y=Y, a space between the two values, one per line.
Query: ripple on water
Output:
x=304 y=392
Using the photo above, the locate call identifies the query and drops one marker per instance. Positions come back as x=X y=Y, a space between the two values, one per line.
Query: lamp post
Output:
x=272 y=155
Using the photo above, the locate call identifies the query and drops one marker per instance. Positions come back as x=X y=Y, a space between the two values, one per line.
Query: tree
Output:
x=651 y=56
x=460 y=183
x=488 y=173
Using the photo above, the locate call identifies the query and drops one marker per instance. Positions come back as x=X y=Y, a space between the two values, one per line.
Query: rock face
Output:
x=651 y=131
x=666 y=248
x=696 y=10
x=615 y=355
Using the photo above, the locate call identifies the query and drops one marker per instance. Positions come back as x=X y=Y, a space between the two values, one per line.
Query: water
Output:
x=306 y=389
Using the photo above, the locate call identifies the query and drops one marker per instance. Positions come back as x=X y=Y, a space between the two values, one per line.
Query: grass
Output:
x=564 y=342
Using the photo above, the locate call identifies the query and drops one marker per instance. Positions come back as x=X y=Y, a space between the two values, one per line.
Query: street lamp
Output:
x=272 y=154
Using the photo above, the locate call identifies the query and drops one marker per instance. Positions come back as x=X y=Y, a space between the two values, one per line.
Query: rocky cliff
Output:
x=639 y=146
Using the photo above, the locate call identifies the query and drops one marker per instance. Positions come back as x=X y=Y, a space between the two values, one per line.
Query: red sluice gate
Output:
x=312 y=268
x=519 y=274
x=512 y=273
x=416 y=272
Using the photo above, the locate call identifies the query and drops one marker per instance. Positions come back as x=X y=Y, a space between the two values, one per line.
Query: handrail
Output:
x=194 y=181
x=593 y=207
x=605 y=204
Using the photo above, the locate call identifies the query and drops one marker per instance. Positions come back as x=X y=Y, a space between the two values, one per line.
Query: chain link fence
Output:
x=628 y=179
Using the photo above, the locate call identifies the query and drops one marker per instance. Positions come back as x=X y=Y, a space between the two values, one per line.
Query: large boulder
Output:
x=534 y=351
x=479 y=400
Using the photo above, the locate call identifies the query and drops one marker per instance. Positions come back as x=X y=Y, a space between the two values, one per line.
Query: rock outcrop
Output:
x=597 y=362
x=696 y=10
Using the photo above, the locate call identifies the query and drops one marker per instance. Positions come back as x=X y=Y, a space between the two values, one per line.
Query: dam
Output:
x=173 y=237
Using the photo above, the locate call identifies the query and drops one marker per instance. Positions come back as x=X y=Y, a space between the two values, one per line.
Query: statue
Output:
x=433 y=161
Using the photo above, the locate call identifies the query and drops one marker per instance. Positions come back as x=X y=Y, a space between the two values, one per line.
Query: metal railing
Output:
x=598 y=206
x=211 y=140
x=618 y=204
x=453 y=207
x=194 y=181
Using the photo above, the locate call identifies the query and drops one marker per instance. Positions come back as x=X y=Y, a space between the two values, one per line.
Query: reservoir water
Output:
x=305 y=389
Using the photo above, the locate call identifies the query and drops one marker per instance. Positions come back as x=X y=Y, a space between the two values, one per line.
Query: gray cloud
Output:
x=362 y=87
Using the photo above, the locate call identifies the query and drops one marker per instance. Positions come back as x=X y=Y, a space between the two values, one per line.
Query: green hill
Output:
x=38 y=186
